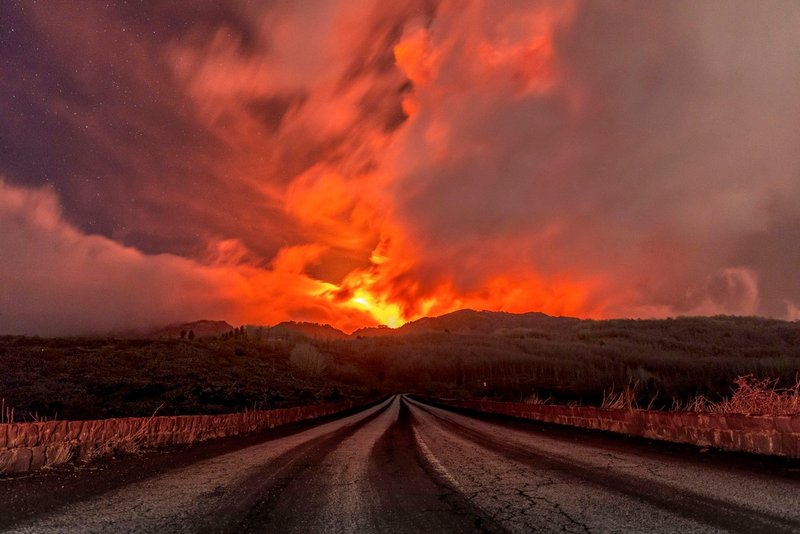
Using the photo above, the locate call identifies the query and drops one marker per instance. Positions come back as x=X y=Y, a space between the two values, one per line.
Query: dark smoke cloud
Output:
x=663 y=144
x=358 y=162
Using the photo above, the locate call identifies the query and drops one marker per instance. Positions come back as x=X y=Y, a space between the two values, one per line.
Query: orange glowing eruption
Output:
x=348 y=210
x=390 y=294
x=370 y=290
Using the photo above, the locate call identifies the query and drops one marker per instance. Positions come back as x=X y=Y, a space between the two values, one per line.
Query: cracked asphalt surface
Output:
x=405 y=466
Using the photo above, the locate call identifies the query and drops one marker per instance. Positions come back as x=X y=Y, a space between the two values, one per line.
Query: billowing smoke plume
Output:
x=356 y=163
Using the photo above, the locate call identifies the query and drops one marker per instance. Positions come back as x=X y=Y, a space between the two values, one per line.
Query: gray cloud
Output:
x=665 y=143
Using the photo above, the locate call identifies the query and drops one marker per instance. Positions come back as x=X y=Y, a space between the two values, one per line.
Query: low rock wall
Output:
x=31 y=446
x=779 y=435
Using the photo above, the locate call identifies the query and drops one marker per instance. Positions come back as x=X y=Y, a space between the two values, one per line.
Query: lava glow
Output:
x=386 y=314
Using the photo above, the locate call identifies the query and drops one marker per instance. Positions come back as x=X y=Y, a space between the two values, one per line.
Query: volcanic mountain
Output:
x=474 y=322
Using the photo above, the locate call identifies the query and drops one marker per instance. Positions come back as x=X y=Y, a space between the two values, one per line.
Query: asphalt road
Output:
x=403 y=466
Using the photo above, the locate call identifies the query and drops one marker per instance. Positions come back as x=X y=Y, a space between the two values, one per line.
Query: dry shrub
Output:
x=307 y=359
x=752 y=396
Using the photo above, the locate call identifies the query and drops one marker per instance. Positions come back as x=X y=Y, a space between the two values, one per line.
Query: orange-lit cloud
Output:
x=372 y=162
x=65 y=282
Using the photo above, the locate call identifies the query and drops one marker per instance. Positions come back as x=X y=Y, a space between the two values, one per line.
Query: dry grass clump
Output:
x=59 y=454
x=132 y=444
x=533 y=398
x=753 y=396
x=6 y=412
x=624 y=399
x=627 y=398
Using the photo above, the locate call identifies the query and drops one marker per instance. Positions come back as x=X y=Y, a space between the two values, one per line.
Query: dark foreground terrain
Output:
x=94 y=378
x=403 y=466
x=664 y=364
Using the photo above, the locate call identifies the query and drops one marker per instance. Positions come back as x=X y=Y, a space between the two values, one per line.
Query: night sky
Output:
x=369 y=162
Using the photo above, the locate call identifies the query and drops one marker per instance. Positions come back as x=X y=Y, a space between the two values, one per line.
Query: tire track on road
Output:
x=694 y=506
x=27 y=497
x=251 y=510
x=410 y=495
x=192 y=498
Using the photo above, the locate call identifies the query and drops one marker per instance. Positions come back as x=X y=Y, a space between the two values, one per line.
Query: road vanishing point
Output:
x=405 y=466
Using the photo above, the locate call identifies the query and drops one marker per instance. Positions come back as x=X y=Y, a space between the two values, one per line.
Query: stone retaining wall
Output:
x=778 y=436
x=30 y=446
